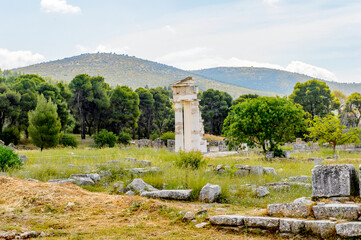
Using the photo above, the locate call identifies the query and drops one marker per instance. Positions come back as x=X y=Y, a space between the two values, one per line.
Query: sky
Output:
x=320 y=38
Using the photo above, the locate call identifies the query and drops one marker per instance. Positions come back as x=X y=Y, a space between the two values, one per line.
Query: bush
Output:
x=193 y=160
x=166 y=136
x=124 y=138
x=10 y=135
x=8 y=159
x=153 y=136
x=104 y=138
x=69 y=141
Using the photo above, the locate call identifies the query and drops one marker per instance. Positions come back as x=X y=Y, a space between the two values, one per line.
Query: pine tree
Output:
x=44 y=124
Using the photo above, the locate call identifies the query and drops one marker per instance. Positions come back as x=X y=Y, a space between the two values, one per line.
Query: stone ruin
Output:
x=189 y=129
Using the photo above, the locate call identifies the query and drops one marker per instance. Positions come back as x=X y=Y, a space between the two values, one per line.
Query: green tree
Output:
x=163 y=113
x=215 y=106
x=315 y=97
x=9 y=106
x=330 y=130
x=44 y=124
x=124 y=108
x=82 y=95
x=353 y=106
x=146 y=108
x=264 y=119
x=243 y=98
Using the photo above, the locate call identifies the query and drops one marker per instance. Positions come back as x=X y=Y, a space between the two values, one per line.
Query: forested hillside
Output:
x=265 y=79
x=125 y=70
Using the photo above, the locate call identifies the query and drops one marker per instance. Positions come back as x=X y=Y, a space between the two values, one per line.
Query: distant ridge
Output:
x=125 y=70
x=265 y=79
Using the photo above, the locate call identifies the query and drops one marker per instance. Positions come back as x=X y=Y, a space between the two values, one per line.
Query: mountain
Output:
x=265 y=79
x=125 y=70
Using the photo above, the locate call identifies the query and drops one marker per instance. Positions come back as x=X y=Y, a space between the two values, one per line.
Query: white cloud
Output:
x=271 y=2
x=310 y=70
x=59 y=6
x=14 y=59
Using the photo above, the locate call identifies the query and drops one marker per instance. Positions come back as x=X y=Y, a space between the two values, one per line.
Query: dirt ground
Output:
x=66 y=211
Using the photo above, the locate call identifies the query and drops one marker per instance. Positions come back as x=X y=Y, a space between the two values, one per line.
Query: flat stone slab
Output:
x=61 y=181
x=350 y=229
x=169 y=194
x=262 y=222
x=300 y=208
x=339 y=211
x=229 y=220
x=322 y=228
x=334 y=181
x=292 y=225
x=302 y=178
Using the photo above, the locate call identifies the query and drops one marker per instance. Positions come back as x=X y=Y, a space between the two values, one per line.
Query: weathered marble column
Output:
x=187 y=126
x=178 y=126
x=196 y=137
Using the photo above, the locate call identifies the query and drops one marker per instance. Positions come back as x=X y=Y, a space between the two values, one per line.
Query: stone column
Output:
x=196 y=138
x=187 y=126
x=178 y=127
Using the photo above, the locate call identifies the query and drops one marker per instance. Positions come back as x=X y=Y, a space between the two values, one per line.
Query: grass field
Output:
x=102 y=216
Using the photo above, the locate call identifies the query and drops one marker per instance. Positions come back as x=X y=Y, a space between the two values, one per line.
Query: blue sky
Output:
x=321 y=38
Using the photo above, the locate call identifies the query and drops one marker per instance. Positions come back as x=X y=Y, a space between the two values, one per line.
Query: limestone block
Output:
x=292 y=225
x=262 y=191
x=256 y=170
x=209 y=193
x=334 y=181
x=270 y=154
x=169 y=194
x=83 y=181
x=241 y=173
x=302 y=178
x=93 y=176
x=301 y=208
x=139 y=185
x=339 y=211
x=229 y=220
x=189 y=216
x=144 y=163
x=320 y=227
x=269 y=170
x=262 y=222
x=350 y=229
x=67 y=180
x=23 y=158
x=287 y=154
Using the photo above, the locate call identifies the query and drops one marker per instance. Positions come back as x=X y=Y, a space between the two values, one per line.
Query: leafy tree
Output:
x=82 y=94
x=146 y=108
x=9 y=106
x=353 y=106
x=44 y=124
x=167 y=135
x=104 y=138
x=214 y=107
x=315 y=97
x=10 y=135
x=264 y=119
x=69 y=141
x=124 y=107
x=243 y=98
x=124 y=138
x=163 y=113
x=330 y=130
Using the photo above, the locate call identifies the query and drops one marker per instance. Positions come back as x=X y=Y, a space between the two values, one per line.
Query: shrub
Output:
x=69 y=141
x=124 y=138
x=10 y=135
x=153 y=136
x=193 y=160
x=8 y=159
x=167 y=135
x=104 y=138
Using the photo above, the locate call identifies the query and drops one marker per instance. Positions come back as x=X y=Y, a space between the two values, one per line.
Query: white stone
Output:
x=269 y=170
x=292 y=225
x=138 y=185
x=339 y=211
x=209 y=193
x=350 y=229
x=256 y=170
x=229 y=220
x=320 y=227
x=262 y=191
x=169 y=194
x=263 y=222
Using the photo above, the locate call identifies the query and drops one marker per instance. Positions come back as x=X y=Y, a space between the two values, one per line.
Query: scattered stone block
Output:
x=300 y=208
x=292 y=225
x=61 y=181
x=279 y=186
x=93 y=176
x=23 y=158
x=201 y=225
x=138 y=185
x=130 y=193
x=287 y=154
x=348 y=230
x=83 y=181
x=262 y=222
x=32 y=180
x=334 y=181
x=256 y=170
x=270 y=154
x=209 y=193
x=241 y=173
x=144 y=163
x=322 y=228
x=188 y=216
x=262 y=191
x=229 y=220
x=269 y=170
x=105 y=174
x=317 y=161
x=302 y=178
x=339 y=211
x=169 y=194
